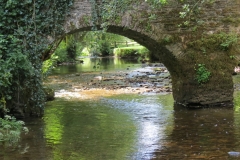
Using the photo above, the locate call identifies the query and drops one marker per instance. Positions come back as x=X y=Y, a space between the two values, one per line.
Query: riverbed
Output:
x=108 y=109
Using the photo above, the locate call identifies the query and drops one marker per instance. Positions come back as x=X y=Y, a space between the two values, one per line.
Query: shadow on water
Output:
x=210 y=133
x=200 y=134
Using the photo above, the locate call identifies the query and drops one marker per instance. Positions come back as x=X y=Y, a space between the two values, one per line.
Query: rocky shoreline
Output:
x=149 y=79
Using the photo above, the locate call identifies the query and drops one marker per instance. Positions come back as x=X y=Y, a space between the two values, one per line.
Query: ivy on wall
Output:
x=27 y=27
x=107 y=12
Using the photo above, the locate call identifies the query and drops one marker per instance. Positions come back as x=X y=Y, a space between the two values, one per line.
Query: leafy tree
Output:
x=102 y=43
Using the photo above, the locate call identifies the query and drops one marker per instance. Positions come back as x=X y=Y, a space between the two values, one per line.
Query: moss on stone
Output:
x=215 y=42
x=231 y=20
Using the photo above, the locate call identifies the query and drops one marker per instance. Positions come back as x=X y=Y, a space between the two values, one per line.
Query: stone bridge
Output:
x=200 y=50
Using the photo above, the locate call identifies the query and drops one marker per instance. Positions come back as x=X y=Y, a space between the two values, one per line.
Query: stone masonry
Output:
x=168 y=41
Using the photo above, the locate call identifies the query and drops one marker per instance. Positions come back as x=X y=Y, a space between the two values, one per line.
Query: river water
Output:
x=126 y=126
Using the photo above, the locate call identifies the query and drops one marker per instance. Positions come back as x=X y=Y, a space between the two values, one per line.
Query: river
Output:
x=105 y=124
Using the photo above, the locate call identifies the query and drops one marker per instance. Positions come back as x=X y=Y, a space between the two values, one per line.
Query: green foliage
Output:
x=73 y=44
x=26 y=30
x=232 y=57
x=127 y=52
x=143 y=51
x=109 y=11
x=220 y=41
x=61 y=53
x=167 y=40
x=152 y=17
x=85 y=52
x=202 y=74
x=190 y=12
x=157 y=3
x=71 y=51
x=48 y=65
x=123 y=53
x=15 y=68
x=10 y=130
x=3 y=105
x=81 y=44
x=104 y=48
x=228 y=40
x=101 y=43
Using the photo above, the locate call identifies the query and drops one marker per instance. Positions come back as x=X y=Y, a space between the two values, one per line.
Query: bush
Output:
x=105 y=48
x=10 y=130
x=135 y=51
x=48 y=65
x=61 y=53
x=71 y=51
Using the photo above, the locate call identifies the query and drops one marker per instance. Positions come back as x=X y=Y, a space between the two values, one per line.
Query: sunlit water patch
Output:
x=152 y=116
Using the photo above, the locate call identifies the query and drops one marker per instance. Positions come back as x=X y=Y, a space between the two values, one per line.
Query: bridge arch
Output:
x=184 y=54
x=159 y=51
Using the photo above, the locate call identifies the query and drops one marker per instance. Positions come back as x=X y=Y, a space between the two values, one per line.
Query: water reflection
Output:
x=127 y=127
x=98 y=64
x=89 y=131
x=54 y=127
x=200 y=134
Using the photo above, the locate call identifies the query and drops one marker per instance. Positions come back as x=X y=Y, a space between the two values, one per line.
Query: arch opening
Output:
x=144 y=41
x=158 y=52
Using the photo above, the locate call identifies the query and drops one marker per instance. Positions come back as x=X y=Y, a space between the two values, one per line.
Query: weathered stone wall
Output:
x=170 y=43
x=222 y=15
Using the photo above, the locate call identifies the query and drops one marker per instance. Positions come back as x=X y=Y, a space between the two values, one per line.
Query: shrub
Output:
x=135 y=51
x=105 y=48
x=10 y=130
